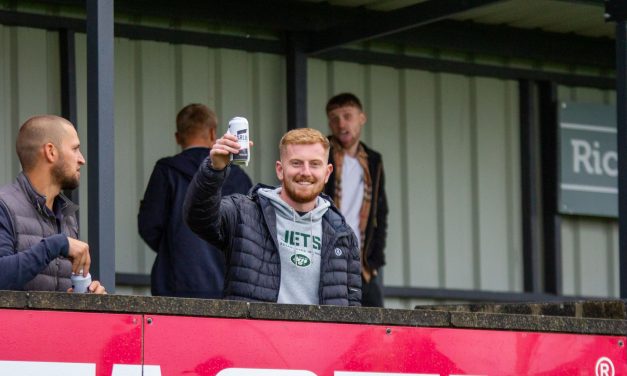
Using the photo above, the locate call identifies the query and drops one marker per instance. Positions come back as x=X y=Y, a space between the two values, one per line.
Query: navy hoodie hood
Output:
x=188 y=161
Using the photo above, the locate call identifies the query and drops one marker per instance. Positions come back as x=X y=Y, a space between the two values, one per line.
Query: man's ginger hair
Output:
x=303 y=136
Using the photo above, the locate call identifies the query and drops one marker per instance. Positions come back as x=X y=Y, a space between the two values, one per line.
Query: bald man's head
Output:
x=35 y=133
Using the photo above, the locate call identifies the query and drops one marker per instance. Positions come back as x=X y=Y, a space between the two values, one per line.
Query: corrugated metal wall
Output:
x=451 y=154
x=153 y=81
x=450 y=145
x=29 y=84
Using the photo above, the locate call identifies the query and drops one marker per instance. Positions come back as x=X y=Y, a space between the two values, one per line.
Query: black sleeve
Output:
x=205 y=212
x=155 y=208
x=381 y=225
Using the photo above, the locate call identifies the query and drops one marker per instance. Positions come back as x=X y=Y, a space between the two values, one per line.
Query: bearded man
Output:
x=39 y=246
x=285 y=244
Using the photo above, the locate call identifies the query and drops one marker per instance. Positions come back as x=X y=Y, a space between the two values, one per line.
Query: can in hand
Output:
x=81 y=284
x=238 y=126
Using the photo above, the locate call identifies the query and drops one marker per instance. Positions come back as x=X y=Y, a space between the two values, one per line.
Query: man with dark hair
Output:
x=39 y=246
x=285 y=244
x=186 y=266
x=357 y=186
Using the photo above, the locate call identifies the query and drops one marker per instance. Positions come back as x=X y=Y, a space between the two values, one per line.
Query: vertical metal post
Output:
x=551 y=221
x=100 y=142
x=68 y=75
x=529 y=184
x=621 y=118
x=296 y=69
x=68 y=86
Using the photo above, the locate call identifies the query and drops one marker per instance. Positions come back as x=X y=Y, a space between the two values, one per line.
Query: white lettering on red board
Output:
x=47 y=368
x=15 y=368
x=290 y=372
x=263 y=372
x=89 y=369
x=604 y=367
x=135 y=370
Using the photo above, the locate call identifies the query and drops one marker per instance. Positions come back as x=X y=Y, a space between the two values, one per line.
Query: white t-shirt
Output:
x=352 y=192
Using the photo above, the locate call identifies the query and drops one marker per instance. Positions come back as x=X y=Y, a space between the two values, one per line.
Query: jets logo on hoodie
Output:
x=300 y=243
x=300 y=260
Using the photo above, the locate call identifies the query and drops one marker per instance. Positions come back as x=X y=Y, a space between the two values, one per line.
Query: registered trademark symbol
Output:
x=604 y=367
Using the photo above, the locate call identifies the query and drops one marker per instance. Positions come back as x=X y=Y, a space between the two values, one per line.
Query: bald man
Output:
x=39 y=249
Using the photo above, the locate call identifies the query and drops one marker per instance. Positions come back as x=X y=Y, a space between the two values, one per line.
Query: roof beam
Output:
x=586 y=2
x=378 y=24
x=277 y=15
x=511 y=42
x=465 y=68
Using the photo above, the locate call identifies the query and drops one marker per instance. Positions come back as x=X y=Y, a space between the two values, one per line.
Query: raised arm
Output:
x=204 y=211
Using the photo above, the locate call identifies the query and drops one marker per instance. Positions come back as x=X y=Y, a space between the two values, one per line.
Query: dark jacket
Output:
x=376 y=229
x=244 y=227
x=33 y=239
x=186 y=266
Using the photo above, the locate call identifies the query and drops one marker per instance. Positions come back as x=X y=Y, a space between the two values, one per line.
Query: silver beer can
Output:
x=238 y=126
x=81 y=284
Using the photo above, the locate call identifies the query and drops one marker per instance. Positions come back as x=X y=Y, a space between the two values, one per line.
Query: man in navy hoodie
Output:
x=186 y=266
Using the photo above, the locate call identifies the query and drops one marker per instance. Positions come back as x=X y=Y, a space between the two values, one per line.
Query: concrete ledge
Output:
x=606 y=309
x=382 y=316
x=537 y=323
x=133 y=304
x=12 y=299
x=586 y=317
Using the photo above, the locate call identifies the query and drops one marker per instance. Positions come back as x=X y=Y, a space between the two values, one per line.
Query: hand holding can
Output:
x=238 y=126
x=80 y=284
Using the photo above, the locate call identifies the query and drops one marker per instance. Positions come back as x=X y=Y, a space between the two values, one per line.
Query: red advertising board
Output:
x=60 y=343
x=209 y=347
x=48 y=343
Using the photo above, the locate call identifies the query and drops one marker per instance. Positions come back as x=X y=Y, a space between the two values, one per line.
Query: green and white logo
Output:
x=301 y=239
x=300 y=260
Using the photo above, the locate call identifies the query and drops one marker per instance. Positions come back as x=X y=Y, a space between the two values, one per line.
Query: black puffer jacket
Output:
x=244 y=227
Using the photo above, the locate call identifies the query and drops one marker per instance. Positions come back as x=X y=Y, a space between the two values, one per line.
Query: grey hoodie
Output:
x=300 y=244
